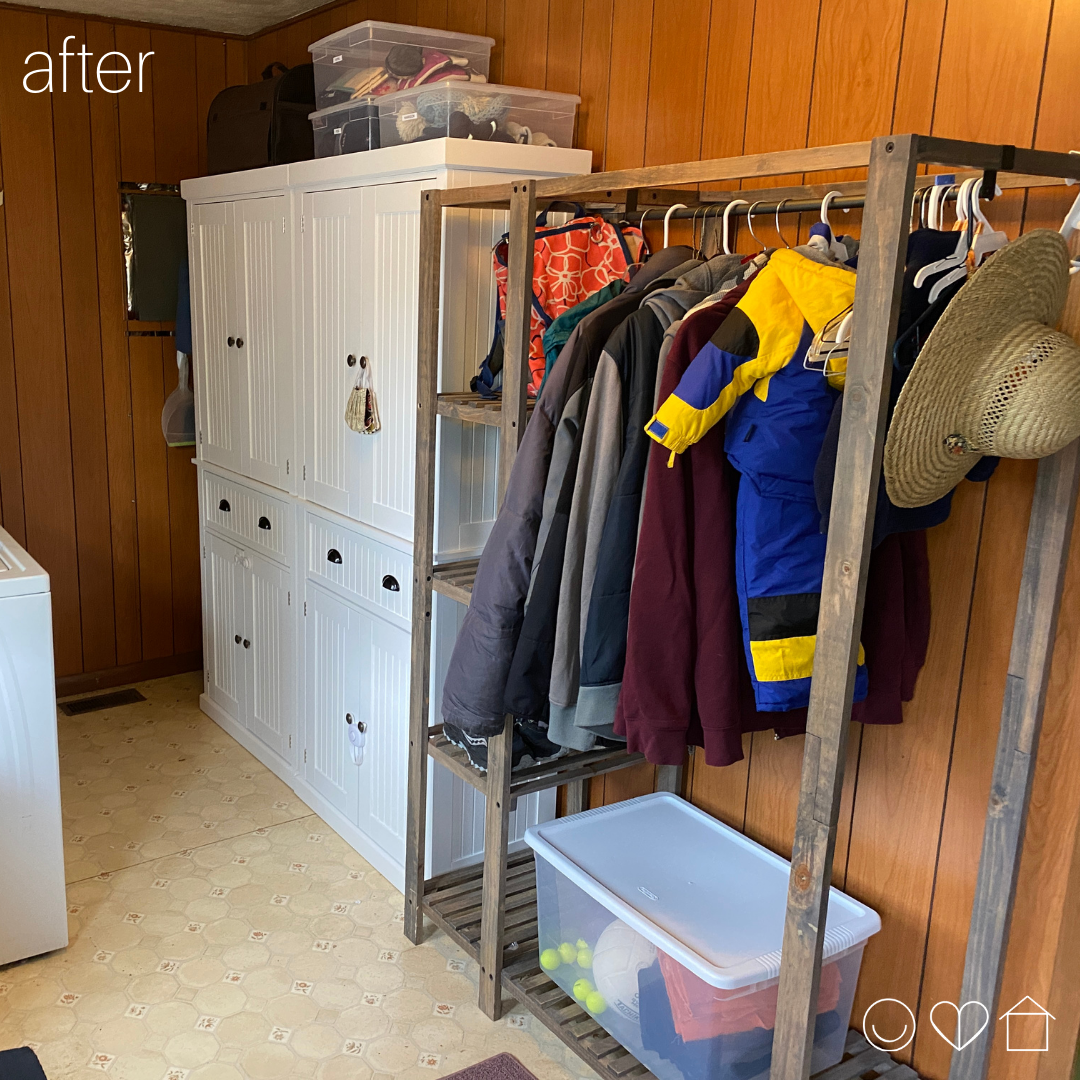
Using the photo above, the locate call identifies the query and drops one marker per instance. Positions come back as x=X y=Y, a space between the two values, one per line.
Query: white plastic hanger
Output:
x=983 y=244
x=727 y=213
x=667 y=218
x=959 y=256
x=830 y=245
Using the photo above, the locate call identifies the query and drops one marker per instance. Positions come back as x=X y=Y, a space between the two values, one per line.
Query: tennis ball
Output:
x=567 y=953
x=550 y=959
x=595 y=1003
x=584 y=957
x=582 y=989
x=582 y=944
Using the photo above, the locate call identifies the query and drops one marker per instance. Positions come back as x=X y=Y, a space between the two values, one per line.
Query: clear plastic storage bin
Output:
x=346 y=129
x=375 y=58
x=461 y=110
x=666 y=926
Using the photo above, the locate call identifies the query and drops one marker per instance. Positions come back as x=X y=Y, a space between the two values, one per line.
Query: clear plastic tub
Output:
x=666 y=926
x=466 y=110
x=375 y=58
x=346 y=129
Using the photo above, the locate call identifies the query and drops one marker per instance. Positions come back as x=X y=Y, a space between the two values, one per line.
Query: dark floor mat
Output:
x=99 y=702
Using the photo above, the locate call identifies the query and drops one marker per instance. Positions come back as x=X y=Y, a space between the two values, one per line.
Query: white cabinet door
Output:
x=333 y=297
x=391 y=243
x=263 y=330
x=271 y=654
x=216 y=362
x=225 y=624
x=384 y=710
x=333 y=660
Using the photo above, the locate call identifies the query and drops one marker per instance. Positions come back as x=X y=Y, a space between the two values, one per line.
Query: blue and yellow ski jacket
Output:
x=777 y=411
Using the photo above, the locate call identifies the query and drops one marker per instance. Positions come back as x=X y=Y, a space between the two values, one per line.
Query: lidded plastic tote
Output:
x=666 y=925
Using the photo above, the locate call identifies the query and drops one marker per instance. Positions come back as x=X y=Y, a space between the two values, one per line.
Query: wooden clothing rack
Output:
x=491 y=910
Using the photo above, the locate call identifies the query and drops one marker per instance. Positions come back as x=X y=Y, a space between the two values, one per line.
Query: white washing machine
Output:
x=33 y=903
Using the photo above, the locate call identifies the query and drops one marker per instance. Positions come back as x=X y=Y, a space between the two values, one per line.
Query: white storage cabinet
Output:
x=314 y=266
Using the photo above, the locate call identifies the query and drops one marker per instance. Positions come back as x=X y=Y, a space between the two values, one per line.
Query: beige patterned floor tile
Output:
x=221 y=931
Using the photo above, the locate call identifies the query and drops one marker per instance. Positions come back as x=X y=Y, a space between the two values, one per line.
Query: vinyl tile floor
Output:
x=220 y=930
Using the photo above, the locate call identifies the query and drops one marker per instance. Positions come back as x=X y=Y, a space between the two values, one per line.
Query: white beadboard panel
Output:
x=391 y=242
x=333 y=660
x=225 y=595
x=247 y=507
x=264 y=290
x=216 y=373
x=333 y=296
x=267 y=523
x=367 y=571
x=384 y=707
x=271 y=712
x=223 y=503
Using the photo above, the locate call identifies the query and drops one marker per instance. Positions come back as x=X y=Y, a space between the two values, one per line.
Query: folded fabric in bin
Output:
x=743 y=1055
x=701 y=1011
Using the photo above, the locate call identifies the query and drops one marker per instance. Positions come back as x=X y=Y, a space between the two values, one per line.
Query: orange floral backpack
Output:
x=570 y=263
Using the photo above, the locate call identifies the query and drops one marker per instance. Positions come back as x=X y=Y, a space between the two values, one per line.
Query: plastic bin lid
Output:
x=413 y=34
x=20 y=575
x=517 y=94
x=698 y=890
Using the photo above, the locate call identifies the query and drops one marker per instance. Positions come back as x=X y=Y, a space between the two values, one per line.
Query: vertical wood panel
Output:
x=105 y=144
x=90 y=463
x=11 y=487
x=525 y=44
x=211 y=78
x=466 y=17
x=565 y=33
x=628 y=88
x=722 y=792
x=496 y=28
x=731 y=35
x=596 y=46
x=920 y=52
x=37 y=319
x=677 y=72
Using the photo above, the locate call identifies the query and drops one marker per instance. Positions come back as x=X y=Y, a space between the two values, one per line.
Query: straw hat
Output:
x=992 y=378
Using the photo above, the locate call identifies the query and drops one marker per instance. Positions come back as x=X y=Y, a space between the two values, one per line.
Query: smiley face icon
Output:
x=888 y=1028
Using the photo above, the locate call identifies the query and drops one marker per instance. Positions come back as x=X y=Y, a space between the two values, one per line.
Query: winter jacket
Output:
x=476 y=677
x=556 y=335
x=773 y=438
x=529 y=677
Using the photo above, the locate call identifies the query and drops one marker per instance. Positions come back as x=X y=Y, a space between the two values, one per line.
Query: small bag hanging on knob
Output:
x=362 y=411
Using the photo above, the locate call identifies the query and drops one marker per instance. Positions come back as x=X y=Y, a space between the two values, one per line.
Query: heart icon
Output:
x=978 y=1005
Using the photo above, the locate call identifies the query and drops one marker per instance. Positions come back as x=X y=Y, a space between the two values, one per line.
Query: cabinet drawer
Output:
x=224 y=503
x=261 y=521
x=266 y=522
x=361 y=568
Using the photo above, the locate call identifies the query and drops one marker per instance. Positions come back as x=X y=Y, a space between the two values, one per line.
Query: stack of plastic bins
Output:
x=667 y=925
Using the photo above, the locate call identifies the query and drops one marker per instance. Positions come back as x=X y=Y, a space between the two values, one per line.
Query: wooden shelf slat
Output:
x=473 y=409
x=455 y=579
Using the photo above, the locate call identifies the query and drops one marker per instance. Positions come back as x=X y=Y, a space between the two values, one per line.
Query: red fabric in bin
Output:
x=701 y=1011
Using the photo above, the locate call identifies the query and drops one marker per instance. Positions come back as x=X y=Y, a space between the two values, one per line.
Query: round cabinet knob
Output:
x=334 y=556
x=231 y=342
x=239 y=342
x=247 y=644
x=348 y=718
x=224 y=506
x=350 y=360
x=237 y=639
x=264 y=523
x=390 y=583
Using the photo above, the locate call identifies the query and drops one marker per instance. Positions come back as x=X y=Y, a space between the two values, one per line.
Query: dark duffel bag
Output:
x=263 y=123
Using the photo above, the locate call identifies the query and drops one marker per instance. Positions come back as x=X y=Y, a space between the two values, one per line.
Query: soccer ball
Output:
x=618 y=957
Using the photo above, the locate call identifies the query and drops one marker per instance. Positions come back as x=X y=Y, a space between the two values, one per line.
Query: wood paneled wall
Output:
x=86 y=481
x=684 y=79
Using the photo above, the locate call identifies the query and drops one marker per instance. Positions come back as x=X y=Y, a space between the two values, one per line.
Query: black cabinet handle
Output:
x=350 y=360
x=231 y=341
x=390 y=583
x=224 y=505
x=237 y=639
x=334 y=556
x=247 y=644
x=348 y=718
x=239 y=342
x=264 y=522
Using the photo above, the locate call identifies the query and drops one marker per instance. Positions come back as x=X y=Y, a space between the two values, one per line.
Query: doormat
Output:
x=500 y=1067
x=99 y=702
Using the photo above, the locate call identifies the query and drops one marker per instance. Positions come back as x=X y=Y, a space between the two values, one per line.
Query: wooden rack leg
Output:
x=423 y=557
x=496 y=840
x=1034 y=631
x=890 y=184
x=575 y=797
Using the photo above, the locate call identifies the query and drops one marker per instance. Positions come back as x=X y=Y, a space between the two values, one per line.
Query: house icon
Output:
x=1027 y=1027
